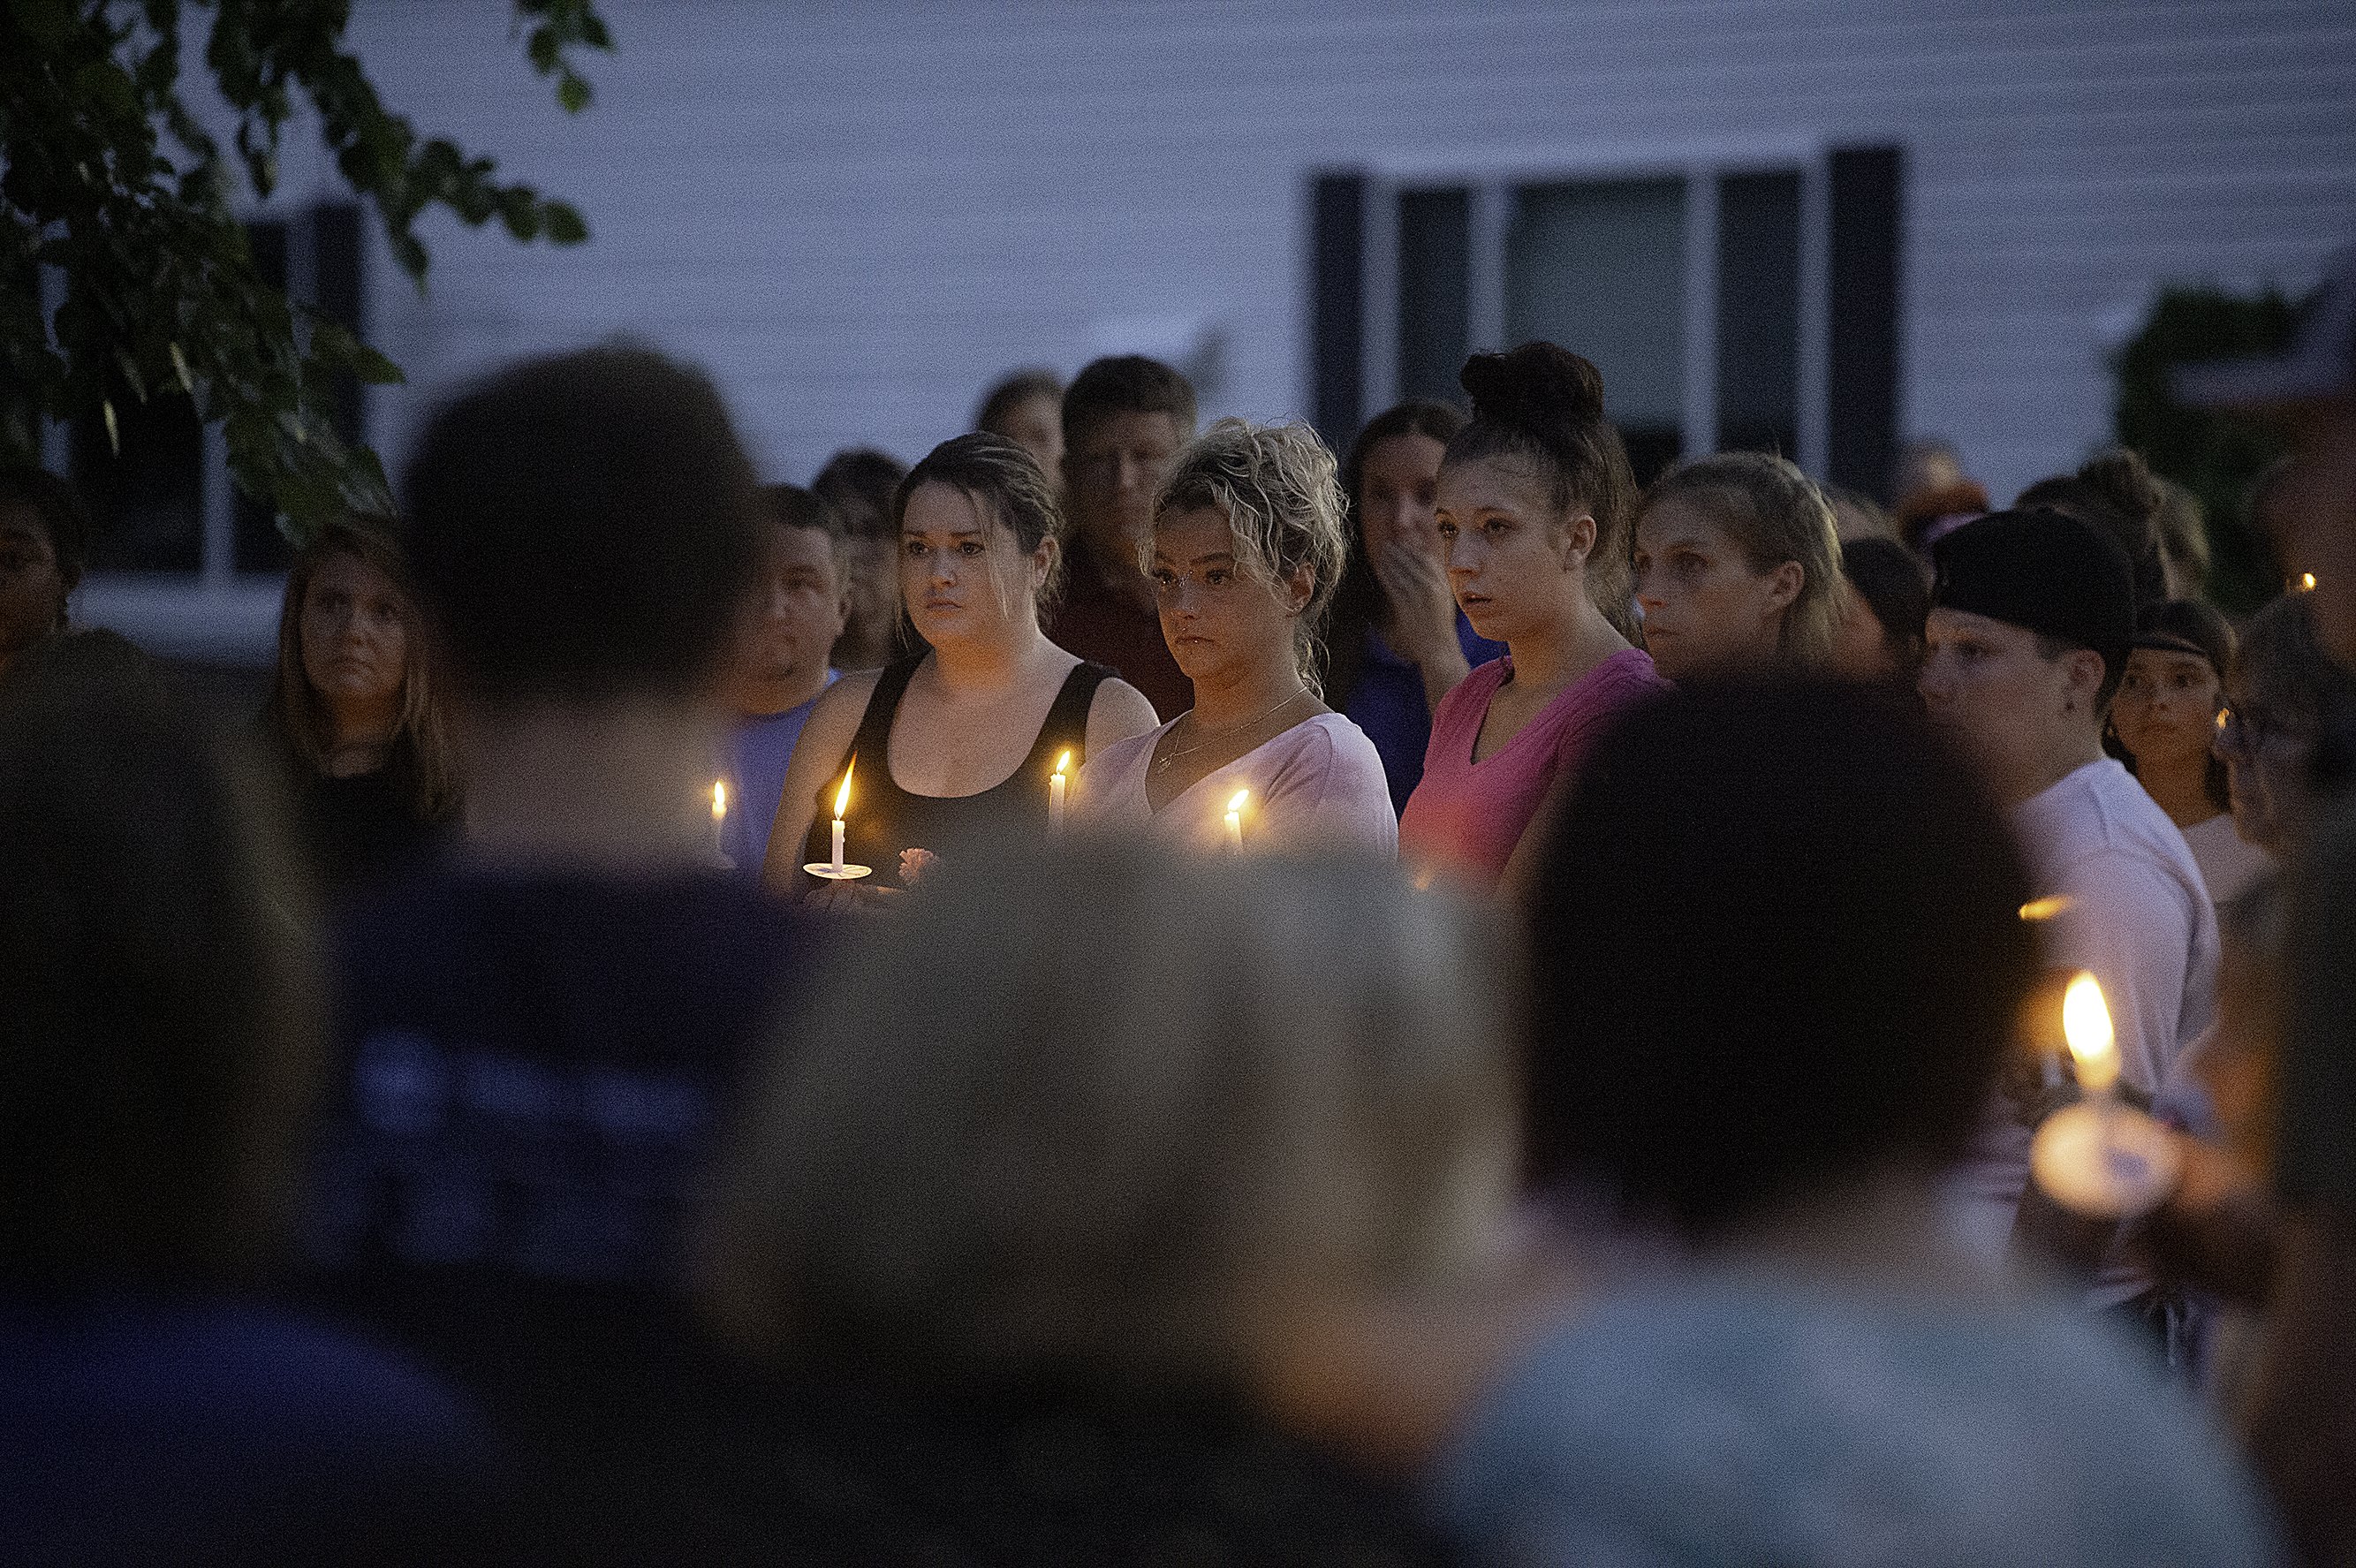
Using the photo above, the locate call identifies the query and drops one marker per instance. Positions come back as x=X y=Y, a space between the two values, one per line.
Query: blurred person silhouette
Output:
x=1125 y=419
x=1033 y=1240
x=1248 y=544
x=1785 y=1055
x=2167 y=717
x=1533 y=502
x=2032 y=619
x=1885 y=600
x=44 y=532
x=2184 y=547
x=1856 y=515
x=353 y=718
x=1737 y=569
x=536 y=1035
x=1027 y=408
x=157 y=1073
x=801 y=598
x=2303 y=1415
x=2281 y=692
x=956 y=741
x=857 y=484
x=2116 y=491
x=1925 y=464
x=1398 y=643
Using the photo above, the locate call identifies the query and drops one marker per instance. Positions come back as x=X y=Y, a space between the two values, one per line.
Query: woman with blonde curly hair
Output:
x=1247 y=549
x=1738 y=568
x=353 y=712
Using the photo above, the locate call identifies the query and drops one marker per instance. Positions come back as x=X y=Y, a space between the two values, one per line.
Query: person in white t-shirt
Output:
x=2032 y=619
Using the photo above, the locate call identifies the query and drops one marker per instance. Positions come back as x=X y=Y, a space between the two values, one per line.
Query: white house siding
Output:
x=856 y=215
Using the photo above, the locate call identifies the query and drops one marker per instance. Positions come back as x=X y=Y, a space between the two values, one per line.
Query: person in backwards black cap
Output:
x=2032 y=616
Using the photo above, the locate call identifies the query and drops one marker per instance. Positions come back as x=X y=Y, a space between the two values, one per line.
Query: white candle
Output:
x=1235 y=821
x=719 y=815
x=841 y=805
x=2086 y=1026
x=1055 y=794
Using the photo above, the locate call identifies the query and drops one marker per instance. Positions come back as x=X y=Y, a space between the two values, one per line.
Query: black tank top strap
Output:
x=873 y=744
x=1066 y=728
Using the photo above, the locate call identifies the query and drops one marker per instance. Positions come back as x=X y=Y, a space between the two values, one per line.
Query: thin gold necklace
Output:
x=1298 y=692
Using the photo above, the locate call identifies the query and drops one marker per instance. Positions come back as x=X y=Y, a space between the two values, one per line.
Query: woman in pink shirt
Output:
x=1534 y=497
x=1246 y=547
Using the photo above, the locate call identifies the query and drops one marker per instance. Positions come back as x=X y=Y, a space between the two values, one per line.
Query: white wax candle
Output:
x=1055 y=804
x=838 y=843
x=1235 y=822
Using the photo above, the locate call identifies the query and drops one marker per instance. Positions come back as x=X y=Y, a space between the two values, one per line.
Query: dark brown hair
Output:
x=1012 y=393
x=1007 y=486
x=422 y=751
x=1126 y=383
x=1543 y=404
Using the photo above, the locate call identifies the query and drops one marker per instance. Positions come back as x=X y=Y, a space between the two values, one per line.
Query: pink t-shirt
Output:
x=1319 y=785
x=1464 y=819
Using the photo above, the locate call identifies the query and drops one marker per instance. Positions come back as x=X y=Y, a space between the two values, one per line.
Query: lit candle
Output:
x=841 y=805
x=1055 y=794
x=2086 y=1026
x=2052 y=906
x=1235 y=821
x=719 y=814
x=2307 y=582
x=2099 y=1157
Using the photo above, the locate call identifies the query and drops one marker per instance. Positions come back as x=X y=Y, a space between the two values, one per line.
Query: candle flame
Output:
x=718 y=799
x=2086 y=1024
x=1236 y=802
x=843 y=796
x=1063 y=762
x=2050 y=908
x=2307 y=582
x=2222 y=715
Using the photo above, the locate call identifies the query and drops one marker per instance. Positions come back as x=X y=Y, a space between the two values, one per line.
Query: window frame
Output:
x=1492 y=185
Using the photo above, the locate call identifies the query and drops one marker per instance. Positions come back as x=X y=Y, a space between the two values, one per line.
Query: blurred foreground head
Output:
x=1074 y=1126
x=583 y=528
x=158 y=988
x=1776 y=951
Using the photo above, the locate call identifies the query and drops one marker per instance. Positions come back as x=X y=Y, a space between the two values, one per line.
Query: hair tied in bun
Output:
x=1541 y=388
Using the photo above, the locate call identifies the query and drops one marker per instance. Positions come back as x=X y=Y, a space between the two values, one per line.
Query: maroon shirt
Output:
x=1099 y=622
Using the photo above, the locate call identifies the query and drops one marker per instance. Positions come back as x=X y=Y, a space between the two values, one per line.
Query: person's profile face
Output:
x=1398 y=495
x=1219 y=619
x=797 y=610
x=963 y=574
x=2167 y=706
x=1705 y=610
x=32 y=591
x=1991 y=689
x=1111 y=471
x=355 y=632
x=1505 y=555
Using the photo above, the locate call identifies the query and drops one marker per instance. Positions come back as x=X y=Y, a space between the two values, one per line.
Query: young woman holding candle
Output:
x=956 y=741
x=1738 y=568
x=1534 y=500
x=353 y=713
x=1247 y=546
x=1397 y=642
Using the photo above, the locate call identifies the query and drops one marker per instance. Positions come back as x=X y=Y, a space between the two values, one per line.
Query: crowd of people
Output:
x=1138 y=994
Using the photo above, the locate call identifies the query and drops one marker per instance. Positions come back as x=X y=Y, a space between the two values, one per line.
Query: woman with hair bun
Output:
x=1247 y=546
x=1534 y=506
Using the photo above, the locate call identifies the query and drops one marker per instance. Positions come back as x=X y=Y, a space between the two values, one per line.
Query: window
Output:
x=1702 y=291
x=159 y=492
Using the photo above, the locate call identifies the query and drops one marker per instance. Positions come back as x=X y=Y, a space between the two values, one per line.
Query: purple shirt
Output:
x=1465 y=818
x=1387 y=702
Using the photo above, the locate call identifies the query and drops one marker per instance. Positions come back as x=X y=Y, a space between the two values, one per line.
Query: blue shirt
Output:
x=1389 y=704
x=755 y=772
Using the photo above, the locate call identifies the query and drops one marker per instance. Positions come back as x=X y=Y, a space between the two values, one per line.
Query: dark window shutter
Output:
x=1867 y=192
x=1337 y=296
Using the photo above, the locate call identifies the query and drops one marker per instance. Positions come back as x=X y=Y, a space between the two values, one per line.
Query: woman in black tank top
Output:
x=885 y=819
x=975 y=526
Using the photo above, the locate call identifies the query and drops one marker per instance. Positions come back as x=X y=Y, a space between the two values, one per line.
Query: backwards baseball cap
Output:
x=2044 y=571
x=2321 y=363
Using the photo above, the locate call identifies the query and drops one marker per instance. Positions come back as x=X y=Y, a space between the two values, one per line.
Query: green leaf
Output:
x=565 y=225
x=573 y=93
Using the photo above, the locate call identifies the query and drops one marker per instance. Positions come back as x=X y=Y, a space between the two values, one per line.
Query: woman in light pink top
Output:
x=1535 y=499
x=1246 y=548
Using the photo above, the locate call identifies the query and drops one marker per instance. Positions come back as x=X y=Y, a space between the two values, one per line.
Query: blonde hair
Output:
x=1774 y=513
x=1276 y=486
x=988 y=1161
x=294 y=710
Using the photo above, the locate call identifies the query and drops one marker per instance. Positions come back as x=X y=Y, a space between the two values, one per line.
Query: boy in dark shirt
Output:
x=537 y=1035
